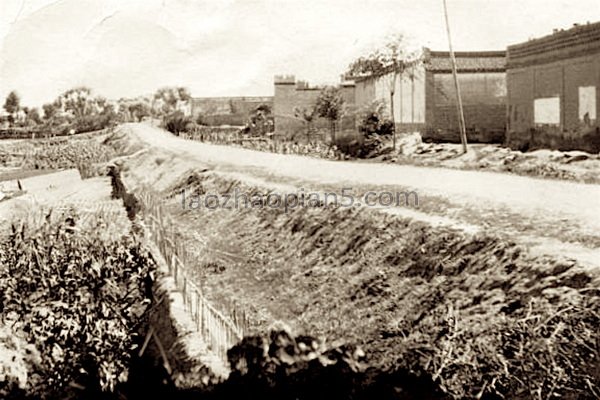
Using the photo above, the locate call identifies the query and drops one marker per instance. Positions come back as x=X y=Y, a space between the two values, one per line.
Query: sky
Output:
x=234 y=48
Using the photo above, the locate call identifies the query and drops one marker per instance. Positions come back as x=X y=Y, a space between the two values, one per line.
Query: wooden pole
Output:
x=461 y=115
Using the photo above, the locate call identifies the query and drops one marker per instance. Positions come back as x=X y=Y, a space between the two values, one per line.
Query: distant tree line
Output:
x=80 y=110
x=76 y=110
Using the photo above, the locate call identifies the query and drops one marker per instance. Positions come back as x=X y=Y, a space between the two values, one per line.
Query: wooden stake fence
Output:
x=219 y=331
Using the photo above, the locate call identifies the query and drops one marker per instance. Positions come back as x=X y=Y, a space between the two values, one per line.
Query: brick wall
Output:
x=409 y=97
x=484 y=104
x=561 y=67
x=227 y=110
x=290 y=94
x=427 y=101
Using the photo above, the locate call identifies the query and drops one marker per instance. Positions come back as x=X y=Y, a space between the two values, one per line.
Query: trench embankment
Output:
x=453 y=306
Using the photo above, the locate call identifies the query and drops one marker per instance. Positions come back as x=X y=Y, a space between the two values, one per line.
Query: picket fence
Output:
x=220 y=331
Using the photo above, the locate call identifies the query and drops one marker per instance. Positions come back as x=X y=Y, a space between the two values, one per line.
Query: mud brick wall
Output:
x=409 y=98
x=484 y=105
x=556 y=67
x=290 y=94
x=235 y=111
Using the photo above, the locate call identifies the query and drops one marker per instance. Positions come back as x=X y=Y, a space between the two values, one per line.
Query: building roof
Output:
x=562 y=44
x=466 y=61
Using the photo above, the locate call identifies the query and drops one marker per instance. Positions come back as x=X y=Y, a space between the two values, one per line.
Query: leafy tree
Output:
x=260 y=121
x=32 y=116
x=307 y=115
x=330 y=105
x=167 y=100
x=87 y=112
x=139 y=110
x=77 y=101
x=389 y=61
x=50 y=111
x=12 y=105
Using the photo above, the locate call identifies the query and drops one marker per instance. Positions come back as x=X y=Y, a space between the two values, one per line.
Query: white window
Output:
x=547 y=111
x=587 y=103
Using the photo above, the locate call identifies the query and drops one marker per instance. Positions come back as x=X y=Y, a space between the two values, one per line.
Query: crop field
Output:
x=54 y=154
x=73 y=295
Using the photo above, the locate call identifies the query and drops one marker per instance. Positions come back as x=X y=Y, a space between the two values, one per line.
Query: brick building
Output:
x=553 y=91
x=291 y=94
x=227 y=110
x=425 y=97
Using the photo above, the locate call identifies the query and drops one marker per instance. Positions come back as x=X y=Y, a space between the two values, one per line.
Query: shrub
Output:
x=281 y=366
x=90 y=123
x=372 y=120
x=79 y=298
x=350 y=144
x=176 y=122
x=360 y=146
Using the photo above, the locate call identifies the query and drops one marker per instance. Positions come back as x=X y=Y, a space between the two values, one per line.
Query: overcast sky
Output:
x=226 y=48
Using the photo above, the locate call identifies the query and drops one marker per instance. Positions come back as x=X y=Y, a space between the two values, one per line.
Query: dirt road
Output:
x=549 y=216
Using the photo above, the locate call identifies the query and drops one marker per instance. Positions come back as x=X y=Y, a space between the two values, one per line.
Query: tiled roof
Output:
x=480 y=61
x=562 y=44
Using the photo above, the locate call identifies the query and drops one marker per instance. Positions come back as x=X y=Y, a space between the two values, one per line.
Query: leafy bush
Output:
x=281 y=366
x=260 y=121
x=360 y=146
x=90 y=123
x=176 y=122
x=372 y=120
x=79 y=298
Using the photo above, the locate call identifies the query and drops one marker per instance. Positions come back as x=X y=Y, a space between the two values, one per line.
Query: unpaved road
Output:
x=549 y=216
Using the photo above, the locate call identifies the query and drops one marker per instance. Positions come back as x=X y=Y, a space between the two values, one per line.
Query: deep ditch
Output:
x=275 y=365
x=438 y=312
